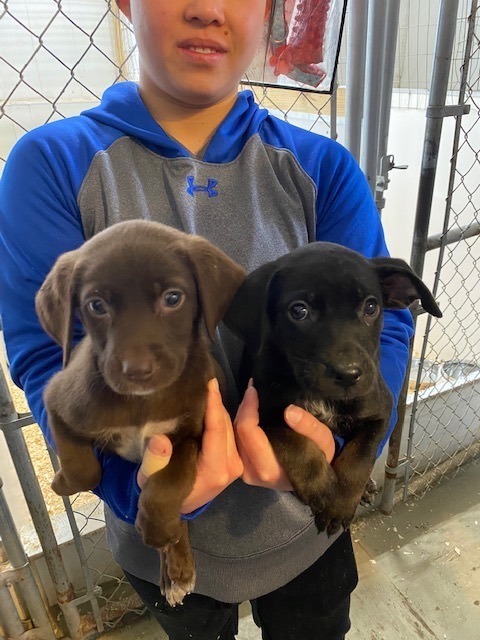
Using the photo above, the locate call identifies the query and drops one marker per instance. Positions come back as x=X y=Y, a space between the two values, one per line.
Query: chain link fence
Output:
x=444 y=430
x=56 y=58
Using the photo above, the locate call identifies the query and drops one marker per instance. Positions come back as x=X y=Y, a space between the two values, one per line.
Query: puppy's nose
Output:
x=138 y=369
x=346 y=376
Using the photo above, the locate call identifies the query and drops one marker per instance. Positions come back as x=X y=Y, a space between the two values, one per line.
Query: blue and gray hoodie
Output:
x=262 y=188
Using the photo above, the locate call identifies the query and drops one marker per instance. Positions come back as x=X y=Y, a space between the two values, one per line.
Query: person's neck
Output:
x=192 y=126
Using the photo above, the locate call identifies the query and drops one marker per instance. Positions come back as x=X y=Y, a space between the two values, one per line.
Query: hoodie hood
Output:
x=123 y=109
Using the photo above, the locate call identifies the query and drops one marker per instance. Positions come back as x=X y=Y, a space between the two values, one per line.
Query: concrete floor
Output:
x=419 y=571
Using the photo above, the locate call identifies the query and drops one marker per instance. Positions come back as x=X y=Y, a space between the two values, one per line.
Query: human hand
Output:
x=261 y=467
x=219 y=463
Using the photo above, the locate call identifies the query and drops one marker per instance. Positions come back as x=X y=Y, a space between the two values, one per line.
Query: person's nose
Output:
x=206 y=11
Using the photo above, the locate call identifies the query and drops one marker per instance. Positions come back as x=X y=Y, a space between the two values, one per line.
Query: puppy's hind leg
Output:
x=80 y=469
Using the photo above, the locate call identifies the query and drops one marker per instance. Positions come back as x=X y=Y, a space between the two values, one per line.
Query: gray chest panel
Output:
x=255 y=208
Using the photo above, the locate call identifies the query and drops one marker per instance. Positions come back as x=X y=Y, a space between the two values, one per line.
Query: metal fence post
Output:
x=21 y=573
x=355 y=82
x=386 y=163
x=374 y=78
x=9 y=615
x=447 y=22
x=10 y=423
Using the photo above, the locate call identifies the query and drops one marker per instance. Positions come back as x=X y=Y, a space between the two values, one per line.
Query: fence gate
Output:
x=444 y=427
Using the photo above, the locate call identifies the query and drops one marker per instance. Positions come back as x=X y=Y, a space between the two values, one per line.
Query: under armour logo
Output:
x=192 y=188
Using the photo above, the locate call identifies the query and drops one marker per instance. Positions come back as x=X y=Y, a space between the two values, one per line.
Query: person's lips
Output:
x=203 y=48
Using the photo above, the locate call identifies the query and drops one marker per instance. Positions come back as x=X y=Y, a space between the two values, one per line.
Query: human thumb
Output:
x=156 y=457
x=306 y=424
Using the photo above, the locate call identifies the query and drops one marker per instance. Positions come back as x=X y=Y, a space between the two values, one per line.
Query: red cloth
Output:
x=305 y=22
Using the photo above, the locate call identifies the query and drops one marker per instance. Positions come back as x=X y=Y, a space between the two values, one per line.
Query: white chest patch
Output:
x=323 y=411
x=130 y=442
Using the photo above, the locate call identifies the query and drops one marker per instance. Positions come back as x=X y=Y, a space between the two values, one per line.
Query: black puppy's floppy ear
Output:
x=401 y=286
x=55 y=302
x=218 y=278
x=247 y=316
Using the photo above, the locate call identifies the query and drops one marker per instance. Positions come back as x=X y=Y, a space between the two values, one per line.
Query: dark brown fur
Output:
x=326 y=361
x=141 y=369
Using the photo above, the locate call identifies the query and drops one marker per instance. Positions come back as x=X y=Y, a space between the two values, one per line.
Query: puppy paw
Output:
x=334 y=527
x=322 y=520
x=175 y=592
x=177 y=578
x=64 y=487
x=60 y=485
x=369 y=493
x=332 y=522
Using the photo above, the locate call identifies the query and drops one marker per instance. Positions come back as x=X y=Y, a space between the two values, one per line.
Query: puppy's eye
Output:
x=172 y=298
x=371 y=308
x=97 y=307
x=298 y=311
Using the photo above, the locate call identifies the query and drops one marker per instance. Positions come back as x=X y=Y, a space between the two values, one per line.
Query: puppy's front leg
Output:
x=80 y=470
x=306 y=466
x=159 y=522
x=160 y=501
x=352 y=470
x=177 y=574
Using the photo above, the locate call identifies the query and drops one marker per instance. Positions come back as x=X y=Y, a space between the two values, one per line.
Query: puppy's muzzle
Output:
x=141 y=369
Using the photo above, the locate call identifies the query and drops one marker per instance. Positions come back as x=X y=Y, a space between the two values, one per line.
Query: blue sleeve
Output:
x=39 y=220
x=347 y=215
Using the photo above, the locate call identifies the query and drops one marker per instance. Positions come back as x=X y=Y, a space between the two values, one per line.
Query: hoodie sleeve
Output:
x=39 y=220
x=346 y=214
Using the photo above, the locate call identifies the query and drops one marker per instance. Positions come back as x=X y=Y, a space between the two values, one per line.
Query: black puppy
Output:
x=311 y=321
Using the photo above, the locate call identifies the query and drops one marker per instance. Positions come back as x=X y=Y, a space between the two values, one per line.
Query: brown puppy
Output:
x=311 y=321
x=147 y=296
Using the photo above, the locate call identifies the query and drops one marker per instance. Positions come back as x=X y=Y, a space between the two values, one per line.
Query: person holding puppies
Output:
x=183 y=147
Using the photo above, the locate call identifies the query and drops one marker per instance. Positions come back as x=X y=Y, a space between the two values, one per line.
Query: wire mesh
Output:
x=445 y=430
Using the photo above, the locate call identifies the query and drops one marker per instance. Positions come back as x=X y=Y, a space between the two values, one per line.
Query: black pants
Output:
x=313 y=606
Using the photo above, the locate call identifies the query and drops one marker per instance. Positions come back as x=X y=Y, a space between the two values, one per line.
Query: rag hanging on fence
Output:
x=297 y=40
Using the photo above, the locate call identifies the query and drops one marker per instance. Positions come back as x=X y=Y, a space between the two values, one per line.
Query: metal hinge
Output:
x=401 y=464
x=447 y=111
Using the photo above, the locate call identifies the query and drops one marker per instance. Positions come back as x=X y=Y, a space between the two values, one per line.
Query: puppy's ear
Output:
x=401 y=286
x=247 y=316
x=55 y=302
x=218 y=279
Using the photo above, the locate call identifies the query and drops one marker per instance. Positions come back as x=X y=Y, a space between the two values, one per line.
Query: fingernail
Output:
x=250 y=388
x=293 y=414
x=158 y=447
x=213 y=385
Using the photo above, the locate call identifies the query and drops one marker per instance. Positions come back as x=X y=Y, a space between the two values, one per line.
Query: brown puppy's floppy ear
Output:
x=218 y=279
x=55 y=302
x=401 y=287
x=247 y=316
